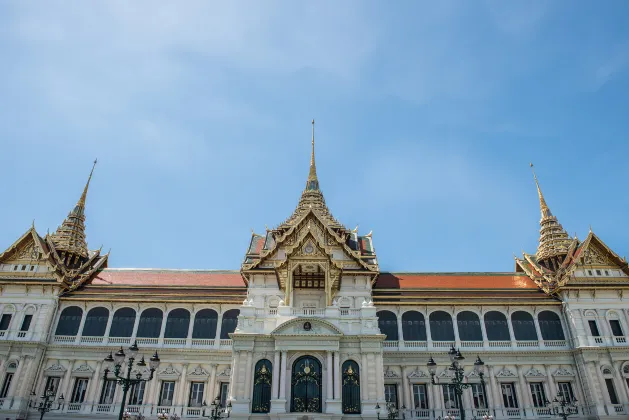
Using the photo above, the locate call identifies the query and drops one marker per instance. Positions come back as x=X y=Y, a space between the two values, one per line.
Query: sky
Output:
x=427 y=116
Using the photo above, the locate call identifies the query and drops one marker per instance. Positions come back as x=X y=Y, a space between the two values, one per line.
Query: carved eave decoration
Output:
x=71 y=279
x=592 y=252
x=292 y=239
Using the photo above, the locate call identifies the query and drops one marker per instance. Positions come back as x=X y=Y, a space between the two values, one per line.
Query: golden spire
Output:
x=554 y=241
x=313 y=182
x=70 y=236
x=542 y=202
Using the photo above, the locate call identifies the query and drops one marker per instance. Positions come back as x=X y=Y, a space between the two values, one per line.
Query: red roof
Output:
x=167 y=278
x=454 y=281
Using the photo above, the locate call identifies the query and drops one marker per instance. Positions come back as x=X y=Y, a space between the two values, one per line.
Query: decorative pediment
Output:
x=390 y=373
x=225 y=373
x=473 y=374
x=169 y=372
x=446 y=373
x=55 y=368
x=532 y=372
x=199 y=374
x=307 y=327
x=83 y=370
x=26 y=249
x=505 y=373
x=563 y=372
x=417 y=374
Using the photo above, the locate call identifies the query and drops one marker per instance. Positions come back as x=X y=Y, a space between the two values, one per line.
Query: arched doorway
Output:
x=306 y=385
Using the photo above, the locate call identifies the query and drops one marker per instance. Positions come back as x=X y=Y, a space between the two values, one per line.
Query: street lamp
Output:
x=392 y=411
x=457 y=384
x=562 y=406
x=45 y=405
x=124 y=379
x=216 y=412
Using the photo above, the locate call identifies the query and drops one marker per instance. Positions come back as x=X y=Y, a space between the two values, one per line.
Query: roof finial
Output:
x=87 y=185
x=542 y=202
x=313 y=181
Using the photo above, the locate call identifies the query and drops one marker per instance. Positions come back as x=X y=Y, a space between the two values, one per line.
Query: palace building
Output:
x=310 y=328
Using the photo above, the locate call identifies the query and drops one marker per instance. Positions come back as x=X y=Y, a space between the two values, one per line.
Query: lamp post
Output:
x=216 y=412
x=124 y=379
x=457 y=384
x=392 y=411
x=562 y=406
x=45 y=405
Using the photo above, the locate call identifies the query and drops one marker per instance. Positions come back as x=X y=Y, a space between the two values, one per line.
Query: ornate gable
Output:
x=307 y=327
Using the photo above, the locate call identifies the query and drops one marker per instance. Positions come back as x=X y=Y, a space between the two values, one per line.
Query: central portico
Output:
x=308 y=341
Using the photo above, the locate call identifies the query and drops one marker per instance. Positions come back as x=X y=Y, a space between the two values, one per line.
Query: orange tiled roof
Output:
x=167 y=278
x=454 y=281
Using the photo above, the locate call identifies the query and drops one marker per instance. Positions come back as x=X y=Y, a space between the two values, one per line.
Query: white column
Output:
x=219 y=327
x=329 y=373
x=511 y=333
x=337 y=375
x=494 y=388
x=66 y=389
x=275 y=386
x=163 y=328
x=190 y=329
x=108 y=327
x=92 y=393
x=150 y=396
x=248 y=374
x=428 y=332
x=400 y=331
x=28 y=374
x=211 y=393
x=364 y=390
x=483 y=330
x=283 y=374
x=525 y=393
x=136 y=323
x=623 y=397
x=455 y=327
x=183 y=387
x=406 y=391
x=538 y=331
x=79 y=333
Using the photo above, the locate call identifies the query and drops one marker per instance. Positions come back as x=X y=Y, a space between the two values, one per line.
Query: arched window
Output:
x=550 y=326
x=351 y=387
x=413 y=326
x=177 y=323
x=96 y=322
x=469 y=326
x=123 y=322
x=69 y=321
x=262 y=380
x=523 y=326
x=205 y=324
x=150 y=323
x=441 y=328
x=387 y=322
x=496 y=326
x=230 y=322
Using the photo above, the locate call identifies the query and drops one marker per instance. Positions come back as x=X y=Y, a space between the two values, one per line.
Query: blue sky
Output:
x=428 y=114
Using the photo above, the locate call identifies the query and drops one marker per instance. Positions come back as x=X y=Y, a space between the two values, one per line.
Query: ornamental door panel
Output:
x=306 y=385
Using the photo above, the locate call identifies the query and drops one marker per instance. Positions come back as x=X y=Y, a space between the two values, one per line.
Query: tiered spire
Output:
x=312 y=184
x=70 y=236
x=312 y=197
x=554 y=241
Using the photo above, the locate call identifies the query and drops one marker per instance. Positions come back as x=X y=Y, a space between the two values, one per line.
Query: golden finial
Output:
x=590 y=228
x=313 y=182
x=542 y=202
x=87 y=185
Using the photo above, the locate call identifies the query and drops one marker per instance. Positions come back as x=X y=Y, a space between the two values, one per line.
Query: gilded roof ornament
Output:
x=70 y=236
x=554 y=241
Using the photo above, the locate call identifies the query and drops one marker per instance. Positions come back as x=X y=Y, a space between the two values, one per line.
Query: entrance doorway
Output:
x=306 y=385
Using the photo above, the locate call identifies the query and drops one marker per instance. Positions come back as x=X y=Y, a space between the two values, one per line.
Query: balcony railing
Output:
x=308 y=312
x=527 y=343
x=619 y=409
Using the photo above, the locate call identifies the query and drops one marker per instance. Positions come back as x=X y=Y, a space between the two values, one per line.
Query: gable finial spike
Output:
x=313 y=182
x=590 y=228
x=542 y=202
x=33 y=224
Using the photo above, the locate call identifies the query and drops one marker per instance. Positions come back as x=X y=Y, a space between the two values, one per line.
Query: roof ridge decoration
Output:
x=554 y=241
x=70 y=236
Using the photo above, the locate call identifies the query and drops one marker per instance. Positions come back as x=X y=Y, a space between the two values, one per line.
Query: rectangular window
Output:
x=390 y=393
x=615 y=326
x=109 y=391
x=224 y=393
x=565 y=388
x=449 y=397
x=137 y=394
x=478 y=395
x=78 y=393
x=53 y=382
x=166 y=394
x=612 y=391
x=509 y=398
x=196 y=394
x=538 y=394
x=594 y=328
x=26 y=322
x=6 y=385
x=5 y=321
x=420 y=397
